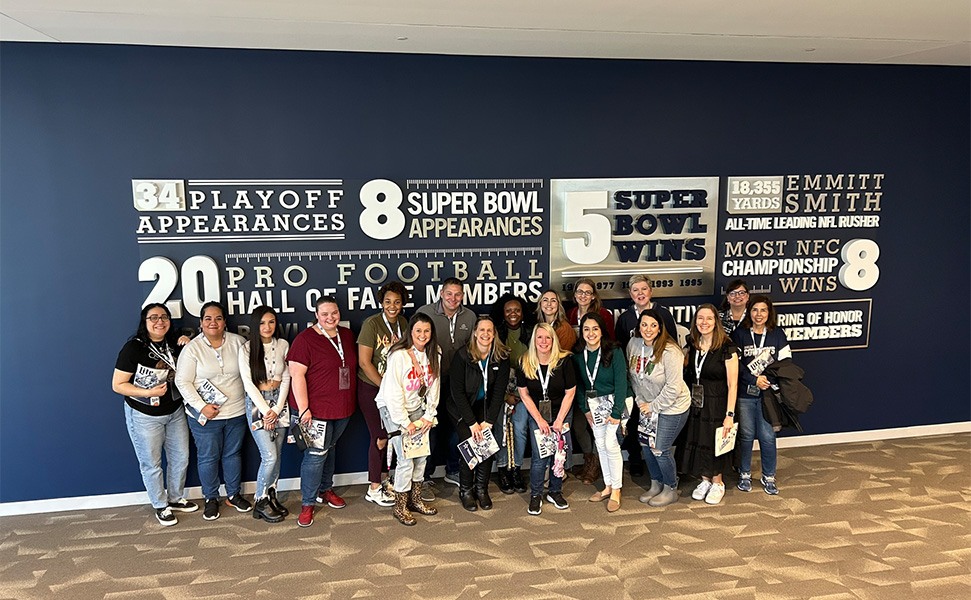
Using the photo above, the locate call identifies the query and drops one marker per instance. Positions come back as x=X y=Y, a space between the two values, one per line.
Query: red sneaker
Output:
x=306 y=518
x=332 y=499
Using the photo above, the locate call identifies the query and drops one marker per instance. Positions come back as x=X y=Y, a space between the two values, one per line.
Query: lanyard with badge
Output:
x=763 y=358
x=345 y=373
x=394 y=336
x=420 y=368
x=165 y=355
x=545 y=405
x=451 y=326
x=219 y=355
x=698 y=390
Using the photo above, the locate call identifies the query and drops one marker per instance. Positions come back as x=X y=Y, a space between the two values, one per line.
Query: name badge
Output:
x=546 y=409
x=752 y=391
x=697 y=395
x=345 y=379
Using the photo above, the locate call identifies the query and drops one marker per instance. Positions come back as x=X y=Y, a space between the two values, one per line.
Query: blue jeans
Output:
x=270 y=445
x=149 y=436
x=317 y=467
x=520 y=427
x=219 y=441
x=660 y=461
x=752 y=424
x=538 y=467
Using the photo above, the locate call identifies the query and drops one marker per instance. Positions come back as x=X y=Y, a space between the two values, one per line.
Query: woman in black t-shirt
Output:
x=144 y=374
x=547 y=385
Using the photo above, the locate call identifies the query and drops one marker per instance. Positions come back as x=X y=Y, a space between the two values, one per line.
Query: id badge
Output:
x=546 y=409
x=752 y=391
x=697 y=395
x=345 y=379
x=591 y=394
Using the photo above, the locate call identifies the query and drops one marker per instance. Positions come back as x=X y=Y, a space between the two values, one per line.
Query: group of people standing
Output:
x=528 y=374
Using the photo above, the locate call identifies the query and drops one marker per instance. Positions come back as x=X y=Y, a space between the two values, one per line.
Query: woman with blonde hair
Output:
x=547 y=385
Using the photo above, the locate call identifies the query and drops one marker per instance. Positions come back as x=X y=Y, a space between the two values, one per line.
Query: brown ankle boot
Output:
x=593 y=473
x=400 y=510
x=418 y=505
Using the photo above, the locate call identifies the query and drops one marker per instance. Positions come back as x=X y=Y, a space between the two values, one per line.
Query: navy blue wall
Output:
x=77 y=123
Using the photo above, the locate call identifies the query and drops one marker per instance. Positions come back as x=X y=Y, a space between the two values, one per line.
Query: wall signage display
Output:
x=806 y=240
x=809 y=241
x=285 y=243
x=610 y=229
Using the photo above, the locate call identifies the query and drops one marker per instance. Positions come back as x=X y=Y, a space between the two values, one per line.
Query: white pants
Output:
x=408 y=469
x=611 y=460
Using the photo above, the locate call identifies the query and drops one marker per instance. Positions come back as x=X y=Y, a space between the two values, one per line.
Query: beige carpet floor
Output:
x=853 y=521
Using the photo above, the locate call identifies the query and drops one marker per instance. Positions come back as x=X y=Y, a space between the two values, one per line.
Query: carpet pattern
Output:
x=871 y=520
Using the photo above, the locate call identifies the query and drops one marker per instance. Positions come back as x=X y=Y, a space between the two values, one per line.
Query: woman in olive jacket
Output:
x=478 y=374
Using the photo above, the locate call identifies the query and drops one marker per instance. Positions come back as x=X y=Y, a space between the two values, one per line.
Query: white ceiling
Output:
x=920 y=32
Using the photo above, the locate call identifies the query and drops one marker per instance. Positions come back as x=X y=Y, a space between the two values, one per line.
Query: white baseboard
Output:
x=360 y=478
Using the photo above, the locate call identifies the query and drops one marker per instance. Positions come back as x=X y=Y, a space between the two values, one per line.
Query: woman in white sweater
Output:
x=408 y=403
x=656 y=368
x=208 y=377
x=266 y=379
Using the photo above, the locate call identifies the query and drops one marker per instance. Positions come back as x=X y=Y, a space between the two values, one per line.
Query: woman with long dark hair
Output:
x=266 y=379
x=408 y=401
x=144 y=375
x=602 y=372
x=656 y=367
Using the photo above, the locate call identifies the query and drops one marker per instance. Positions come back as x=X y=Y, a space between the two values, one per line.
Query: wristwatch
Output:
x=730 y=413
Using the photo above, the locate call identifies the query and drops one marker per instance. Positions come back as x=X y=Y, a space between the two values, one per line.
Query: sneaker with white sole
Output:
x=744 y=482
x=702 y=490
x=768 y=484
x=452 y=478
x=715 y=494
x=239 y=503
x=211 y=512
x=183 y=505
x=535 y=505
x=379 y=497
x=165 y=517
x=557 y=500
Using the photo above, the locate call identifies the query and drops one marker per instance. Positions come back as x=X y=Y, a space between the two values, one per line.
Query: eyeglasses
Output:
x=584 y=293
x=737 y=293
x=157 y=318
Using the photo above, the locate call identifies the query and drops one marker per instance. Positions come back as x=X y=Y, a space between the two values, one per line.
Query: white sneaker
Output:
x=379 y=497
x=716 y=493
x=702 y=490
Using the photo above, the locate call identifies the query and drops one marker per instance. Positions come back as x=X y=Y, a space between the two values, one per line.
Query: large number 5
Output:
x=592 y=245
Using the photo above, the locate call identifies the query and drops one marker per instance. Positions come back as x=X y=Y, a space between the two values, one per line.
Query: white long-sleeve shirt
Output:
x=275 y=361
x=400 y=386
x=199 y=361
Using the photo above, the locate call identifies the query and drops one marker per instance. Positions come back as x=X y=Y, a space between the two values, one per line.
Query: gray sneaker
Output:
x=428 y=491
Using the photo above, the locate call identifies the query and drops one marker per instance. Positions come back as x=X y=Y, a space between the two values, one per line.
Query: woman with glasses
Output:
x=733 y=306
x=209 y=379
x=587 y=302
x=144 y=375
x=266 y=379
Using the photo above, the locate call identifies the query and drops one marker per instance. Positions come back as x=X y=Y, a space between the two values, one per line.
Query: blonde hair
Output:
x=499 y=352
x=530 y=361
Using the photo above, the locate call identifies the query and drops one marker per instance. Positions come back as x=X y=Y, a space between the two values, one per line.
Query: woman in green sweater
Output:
x=602 y=374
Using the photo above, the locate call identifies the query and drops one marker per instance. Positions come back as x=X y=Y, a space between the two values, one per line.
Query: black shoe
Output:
x=265 y=510
x=239 y=503
x=468 y=499
x=276 y=503
x=183 y=505
x=637 y=469
x=535 y=505
x=482 y=475
x=211 y=512
x=519 y=484
x=165 y=517
x=505 y=481
x=558 y=500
